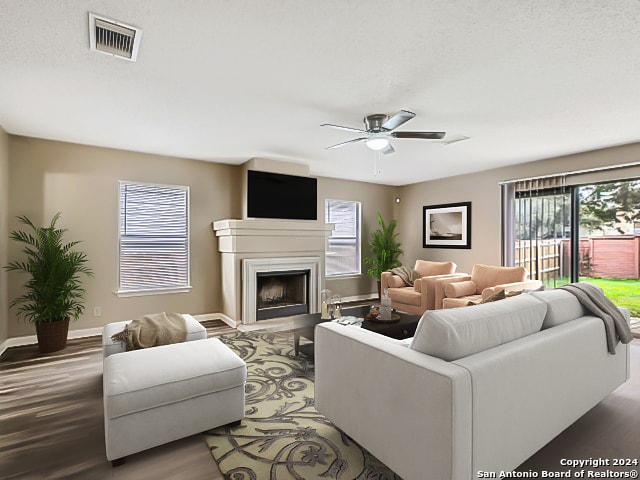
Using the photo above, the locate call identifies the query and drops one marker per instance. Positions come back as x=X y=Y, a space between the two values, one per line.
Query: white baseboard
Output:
x=33 y=339
x=357 y=298
x=90 y=332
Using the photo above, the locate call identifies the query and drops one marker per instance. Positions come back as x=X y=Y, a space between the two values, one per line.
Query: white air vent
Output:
x=113 y=37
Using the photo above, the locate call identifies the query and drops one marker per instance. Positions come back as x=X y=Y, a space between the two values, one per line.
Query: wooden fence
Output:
x=543 y=259
x=607 y=257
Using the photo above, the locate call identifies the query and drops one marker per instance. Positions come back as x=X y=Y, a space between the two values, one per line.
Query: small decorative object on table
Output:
x=349 y=320
x=385 y=309
x=374 y=316
x=326 y=301
x=336 y=301
x=373 y=313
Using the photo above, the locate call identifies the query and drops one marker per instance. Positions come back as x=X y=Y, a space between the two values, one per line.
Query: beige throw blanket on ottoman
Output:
x=153 y=330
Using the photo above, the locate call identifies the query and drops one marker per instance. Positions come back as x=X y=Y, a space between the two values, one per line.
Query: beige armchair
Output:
x=485 y=280
x=419 y=297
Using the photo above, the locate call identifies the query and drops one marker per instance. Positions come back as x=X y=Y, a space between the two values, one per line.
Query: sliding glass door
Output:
x=543 y=234
x=609 y=245
x=581 y=233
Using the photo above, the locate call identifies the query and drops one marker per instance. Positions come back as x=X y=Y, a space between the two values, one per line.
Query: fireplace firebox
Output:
x=282 y=293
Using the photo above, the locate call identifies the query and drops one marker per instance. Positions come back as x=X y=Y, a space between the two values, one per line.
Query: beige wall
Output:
x=374 y=198
x=482 y=189
x=4 y=231
x=82 y=183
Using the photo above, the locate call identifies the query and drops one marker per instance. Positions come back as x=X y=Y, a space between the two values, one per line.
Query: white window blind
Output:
x=154 y=237
x=343 y=246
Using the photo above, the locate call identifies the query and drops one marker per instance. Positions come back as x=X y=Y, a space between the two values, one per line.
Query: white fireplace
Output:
x=254 y=247
x=253 y=267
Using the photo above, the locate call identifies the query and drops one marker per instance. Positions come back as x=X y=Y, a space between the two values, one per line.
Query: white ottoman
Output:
x=160 y=394
x=195 y=331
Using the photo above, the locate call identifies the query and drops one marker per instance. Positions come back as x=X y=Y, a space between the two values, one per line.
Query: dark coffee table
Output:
x=304 y=327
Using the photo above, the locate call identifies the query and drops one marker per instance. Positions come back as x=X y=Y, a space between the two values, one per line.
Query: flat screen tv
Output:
x=274 y=195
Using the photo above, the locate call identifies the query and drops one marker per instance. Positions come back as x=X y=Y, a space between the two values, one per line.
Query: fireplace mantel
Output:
x=254 y=240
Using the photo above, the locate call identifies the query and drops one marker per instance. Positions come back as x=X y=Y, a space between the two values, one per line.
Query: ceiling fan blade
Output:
x=387 y=150
x=338 y=145
x=398 y=119
x=454 y=139
x=421 y=135
x=346 y=129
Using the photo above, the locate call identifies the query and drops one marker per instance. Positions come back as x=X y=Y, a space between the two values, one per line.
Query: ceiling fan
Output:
x=380 y=128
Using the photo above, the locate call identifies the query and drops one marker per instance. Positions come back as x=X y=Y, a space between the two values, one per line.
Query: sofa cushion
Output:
x=426 y=268
x=488 y=276
x=492 y=298
x=456 y=333
x=406 y=295
x=562 y=307
x=152 y=377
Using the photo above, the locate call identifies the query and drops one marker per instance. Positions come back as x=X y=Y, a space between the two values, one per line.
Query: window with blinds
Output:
x=343 y=246
x=154 y=237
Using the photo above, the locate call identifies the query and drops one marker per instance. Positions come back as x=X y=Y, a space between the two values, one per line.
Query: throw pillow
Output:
x=561 y=307
x=454 y=333
x=493 y=298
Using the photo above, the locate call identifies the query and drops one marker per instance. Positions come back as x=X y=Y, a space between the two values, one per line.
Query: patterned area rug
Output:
x=282 y=435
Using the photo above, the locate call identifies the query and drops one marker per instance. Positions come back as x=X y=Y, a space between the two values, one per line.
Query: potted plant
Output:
x=54 y=293
x=385 y=250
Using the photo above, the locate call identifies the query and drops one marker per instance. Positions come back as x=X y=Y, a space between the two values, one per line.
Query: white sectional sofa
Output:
x=478 y=388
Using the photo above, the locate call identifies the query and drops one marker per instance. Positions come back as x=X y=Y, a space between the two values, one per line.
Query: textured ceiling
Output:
x=226 y=81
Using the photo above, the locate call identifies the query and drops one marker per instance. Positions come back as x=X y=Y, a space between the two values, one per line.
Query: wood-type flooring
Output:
x=51 y=423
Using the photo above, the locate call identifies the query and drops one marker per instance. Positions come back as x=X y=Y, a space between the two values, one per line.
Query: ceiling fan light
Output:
x=377 y=143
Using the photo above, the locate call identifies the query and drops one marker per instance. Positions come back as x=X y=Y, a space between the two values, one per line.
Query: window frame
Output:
x=138 y=292
x=358 y=239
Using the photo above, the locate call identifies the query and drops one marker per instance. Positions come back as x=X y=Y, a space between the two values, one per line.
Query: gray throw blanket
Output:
x=593 y=299
x=153 y=330
x=406 y=274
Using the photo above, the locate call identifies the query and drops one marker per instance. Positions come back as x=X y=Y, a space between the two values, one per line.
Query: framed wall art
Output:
x=447 y=225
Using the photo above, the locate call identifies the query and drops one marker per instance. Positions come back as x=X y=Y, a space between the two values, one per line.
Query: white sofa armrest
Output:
x=539 y=384
x=411 y=410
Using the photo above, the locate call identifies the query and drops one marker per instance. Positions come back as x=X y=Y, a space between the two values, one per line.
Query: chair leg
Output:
x=118 y=461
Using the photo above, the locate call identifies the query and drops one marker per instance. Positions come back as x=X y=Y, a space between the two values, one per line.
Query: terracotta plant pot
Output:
x=52 y=336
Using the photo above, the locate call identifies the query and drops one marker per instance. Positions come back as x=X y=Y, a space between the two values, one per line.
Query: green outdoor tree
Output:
x=609 y=204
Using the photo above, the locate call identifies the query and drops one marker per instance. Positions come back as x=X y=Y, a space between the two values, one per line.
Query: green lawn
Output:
x=624 y=293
